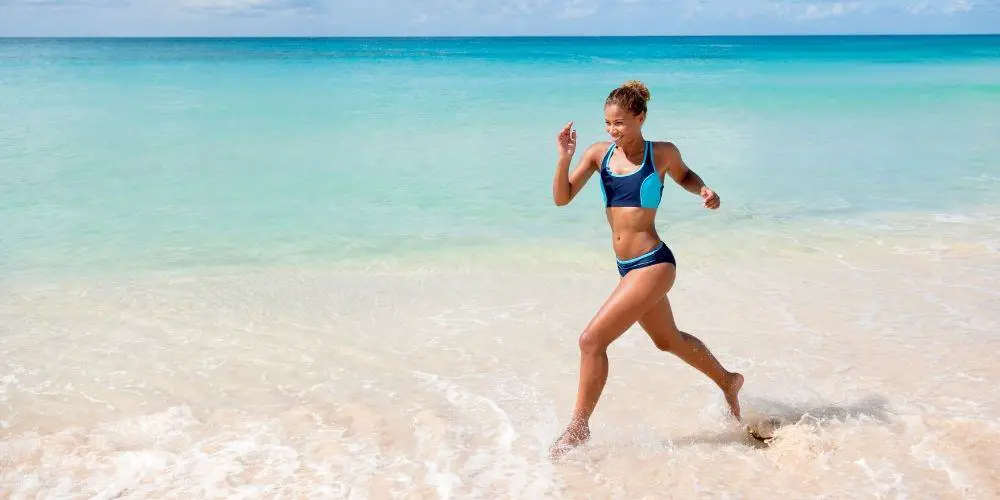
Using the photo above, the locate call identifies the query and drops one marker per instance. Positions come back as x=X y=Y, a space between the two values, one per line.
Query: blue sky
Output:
x=491 y=17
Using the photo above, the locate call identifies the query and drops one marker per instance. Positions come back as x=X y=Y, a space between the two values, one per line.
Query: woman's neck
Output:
x=635 y=147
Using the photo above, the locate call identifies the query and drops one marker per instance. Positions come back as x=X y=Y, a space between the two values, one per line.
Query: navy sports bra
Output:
x=641 y=188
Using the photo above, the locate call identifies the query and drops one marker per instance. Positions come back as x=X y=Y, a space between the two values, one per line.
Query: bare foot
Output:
x=573 y=436
x=732 y=392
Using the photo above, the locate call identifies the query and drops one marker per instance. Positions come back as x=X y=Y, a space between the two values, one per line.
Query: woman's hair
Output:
x=632 y=95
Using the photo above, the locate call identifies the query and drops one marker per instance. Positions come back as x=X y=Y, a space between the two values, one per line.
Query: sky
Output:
x=491 y=17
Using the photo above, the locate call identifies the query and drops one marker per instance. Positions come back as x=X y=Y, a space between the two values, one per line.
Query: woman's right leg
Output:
x=633 y=296
x=661 y=328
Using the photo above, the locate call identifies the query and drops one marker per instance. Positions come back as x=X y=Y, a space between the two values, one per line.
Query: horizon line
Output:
x=744 y=35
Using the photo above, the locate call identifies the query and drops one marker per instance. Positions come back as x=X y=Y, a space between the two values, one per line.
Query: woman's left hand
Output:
x=709 y=198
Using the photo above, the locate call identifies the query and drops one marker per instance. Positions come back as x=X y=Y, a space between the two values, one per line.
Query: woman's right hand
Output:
x=567 y=141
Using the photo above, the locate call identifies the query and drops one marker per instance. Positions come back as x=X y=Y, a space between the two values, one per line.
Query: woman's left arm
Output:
x=667 y=154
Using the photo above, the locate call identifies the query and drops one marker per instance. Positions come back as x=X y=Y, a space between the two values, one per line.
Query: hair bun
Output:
x=632 y=95
x=639 y=87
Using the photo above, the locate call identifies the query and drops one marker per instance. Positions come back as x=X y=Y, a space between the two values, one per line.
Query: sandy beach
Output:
x=435 y=383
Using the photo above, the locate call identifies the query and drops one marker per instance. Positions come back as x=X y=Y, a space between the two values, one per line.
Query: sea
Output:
x=332 y=268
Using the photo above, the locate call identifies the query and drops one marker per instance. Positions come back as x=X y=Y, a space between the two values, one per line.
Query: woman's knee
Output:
x=593 y=342
x=662 y=344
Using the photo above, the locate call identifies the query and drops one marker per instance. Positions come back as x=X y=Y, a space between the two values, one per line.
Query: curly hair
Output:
x=632 y=95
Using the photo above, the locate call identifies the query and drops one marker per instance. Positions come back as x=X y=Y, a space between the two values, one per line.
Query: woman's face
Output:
x=621 y=124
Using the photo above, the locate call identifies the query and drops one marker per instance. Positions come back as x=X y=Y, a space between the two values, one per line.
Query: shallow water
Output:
x=332 y=269
x=451 y=383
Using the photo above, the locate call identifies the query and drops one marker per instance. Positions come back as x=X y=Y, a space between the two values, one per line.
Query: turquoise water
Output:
x=123 y=154
x=182 y=222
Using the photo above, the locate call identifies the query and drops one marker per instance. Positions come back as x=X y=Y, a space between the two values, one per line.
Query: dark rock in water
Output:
x=764 y=429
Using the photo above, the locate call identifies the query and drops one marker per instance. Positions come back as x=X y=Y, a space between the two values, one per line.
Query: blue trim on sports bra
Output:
x=639 y=188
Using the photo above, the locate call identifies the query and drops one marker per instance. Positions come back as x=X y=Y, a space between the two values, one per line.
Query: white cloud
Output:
x=958 y=6
x=826 y=10
x=58 y=4
x=577 y=9
x=494 y=17
x=248 y=6
x=694 y=8
x=516 y=6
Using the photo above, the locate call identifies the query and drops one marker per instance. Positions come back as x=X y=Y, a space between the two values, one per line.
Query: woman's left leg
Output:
x=659 y=324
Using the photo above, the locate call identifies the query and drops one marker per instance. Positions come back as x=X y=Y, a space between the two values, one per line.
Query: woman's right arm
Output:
x=565 y=186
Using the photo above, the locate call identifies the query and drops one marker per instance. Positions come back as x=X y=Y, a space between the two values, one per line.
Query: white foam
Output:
x=453 y=385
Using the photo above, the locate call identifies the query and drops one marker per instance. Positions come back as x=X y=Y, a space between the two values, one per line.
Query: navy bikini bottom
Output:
x=657 y=255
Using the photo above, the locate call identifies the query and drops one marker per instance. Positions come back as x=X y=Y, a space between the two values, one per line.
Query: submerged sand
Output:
x=451 y=382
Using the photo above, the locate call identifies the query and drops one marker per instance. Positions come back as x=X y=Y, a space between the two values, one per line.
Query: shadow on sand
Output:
x=782 y=414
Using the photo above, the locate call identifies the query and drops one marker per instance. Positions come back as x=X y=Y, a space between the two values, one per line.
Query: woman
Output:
x=631 y=176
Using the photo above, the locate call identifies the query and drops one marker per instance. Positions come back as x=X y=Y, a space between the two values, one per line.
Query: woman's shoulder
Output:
x=665 y=149
x=665 y=153
x=598 y=149
x=601 y=146
x=663 y=146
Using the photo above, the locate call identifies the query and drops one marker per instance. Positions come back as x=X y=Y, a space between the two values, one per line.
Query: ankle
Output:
x=579 y=424
x=734 y=379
